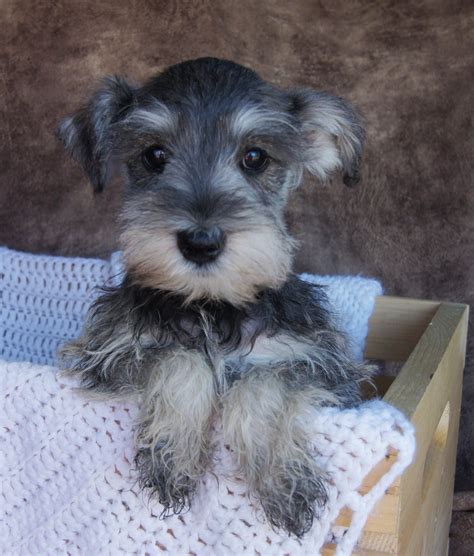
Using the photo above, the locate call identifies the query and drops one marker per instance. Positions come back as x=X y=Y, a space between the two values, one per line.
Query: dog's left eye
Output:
x=255 y=159
x=154 y=158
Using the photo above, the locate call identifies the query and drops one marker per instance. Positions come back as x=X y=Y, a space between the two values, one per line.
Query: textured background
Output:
x=408 y=66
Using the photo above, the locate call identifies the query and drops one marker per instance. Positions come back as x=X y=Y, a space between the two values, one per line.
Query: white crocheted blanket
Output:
x=68 y=485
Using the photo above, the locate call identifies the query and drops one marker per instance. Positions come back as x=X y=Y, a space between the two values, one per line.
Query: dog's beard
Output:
x=253 y=259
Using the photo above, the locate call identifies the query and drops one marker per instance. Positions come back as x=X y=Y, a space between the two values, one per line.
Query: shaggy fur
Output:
x=209 y=320
x=266 y=367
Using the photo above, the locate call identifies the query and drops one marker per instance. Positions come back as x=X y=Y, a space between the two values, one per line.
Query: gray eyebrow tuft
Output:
x=252 y=118
x=156 y=116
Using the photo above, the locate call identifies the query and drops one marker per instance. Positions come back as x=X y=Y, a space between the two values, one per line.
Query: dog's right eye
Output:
x=254 y=160
x=154 y=158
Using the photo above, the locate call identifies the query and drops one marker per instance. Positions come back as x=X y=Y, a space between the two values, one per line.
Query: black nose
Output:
x=201 y=246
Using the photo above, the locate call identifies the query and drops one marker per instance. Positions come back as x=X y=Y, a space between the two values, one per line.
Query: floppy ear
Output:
x=333 y=133
x=87 y=134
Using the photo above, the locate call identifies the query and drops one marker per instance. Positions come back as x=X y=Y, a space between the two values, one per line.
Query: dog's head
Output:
x=211 y=152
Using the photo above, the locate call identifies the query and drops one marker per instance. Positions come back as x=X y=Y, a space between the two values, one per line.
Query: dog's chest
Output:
x=266 y=351
x=238 y=349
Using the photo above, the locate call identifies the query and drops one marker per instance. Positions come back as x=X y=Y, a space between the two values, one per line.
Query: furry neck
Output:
x=297 y=307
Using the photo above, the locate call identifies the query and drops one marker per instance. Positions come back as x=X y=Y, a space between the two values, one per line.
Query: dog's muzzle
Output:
x=201 y=246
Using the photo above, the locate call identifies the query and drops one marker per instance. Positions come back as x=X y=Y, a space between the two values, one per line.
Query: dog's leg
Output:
x=266 y=421
x=174 y=444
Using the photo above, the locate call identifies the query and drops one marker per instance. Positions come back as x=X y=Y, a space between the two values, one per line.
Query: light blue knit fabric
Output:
x=44 y=300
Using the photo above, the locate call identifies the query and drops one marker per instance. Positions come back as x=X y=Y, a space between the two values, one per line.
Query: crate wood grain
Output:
x=414 y=515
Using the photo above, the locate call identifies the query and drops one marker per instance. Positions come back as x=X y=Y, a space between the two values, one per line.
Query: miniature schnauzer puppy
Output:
x=209 y=319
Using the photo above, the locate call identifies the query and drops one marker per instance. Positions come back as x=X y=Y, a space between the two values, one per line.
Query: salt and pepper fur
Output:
x=240 y=338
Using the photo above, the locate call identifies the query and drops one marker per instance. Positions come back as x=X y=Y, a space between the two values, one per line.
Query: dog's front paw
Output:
x=292 y=497
x=159 y=476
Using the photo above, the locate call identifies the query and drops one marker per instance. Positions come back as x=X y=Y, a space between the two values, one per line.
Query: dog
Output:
x=209 y=319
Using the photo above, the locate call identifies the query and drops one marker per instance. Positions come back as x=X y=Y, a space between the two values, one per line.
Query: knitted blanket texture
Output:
x=68 y=483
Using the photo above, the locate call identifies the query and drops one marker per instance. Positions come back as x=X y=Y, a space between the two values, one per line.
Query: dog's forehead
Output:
x=210 y=92
x=208 y=81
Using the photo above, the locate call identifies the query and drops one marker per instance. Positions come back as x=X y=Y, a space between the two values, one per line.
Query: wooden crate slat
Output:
x=396 y=325
x=407 y=390
x=435 y=369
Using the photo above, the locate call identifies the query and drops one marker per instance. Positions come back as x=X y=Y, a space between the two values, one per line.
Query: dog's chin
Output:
x=209 y=281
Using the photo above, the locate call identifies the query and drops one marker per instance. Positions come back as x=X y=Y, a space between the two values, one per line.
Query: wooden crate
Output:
x=429 y=338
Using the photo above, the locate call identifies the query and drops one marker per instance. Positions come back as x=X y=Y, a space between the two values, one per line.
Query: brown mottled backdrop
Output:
x=408 y=66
